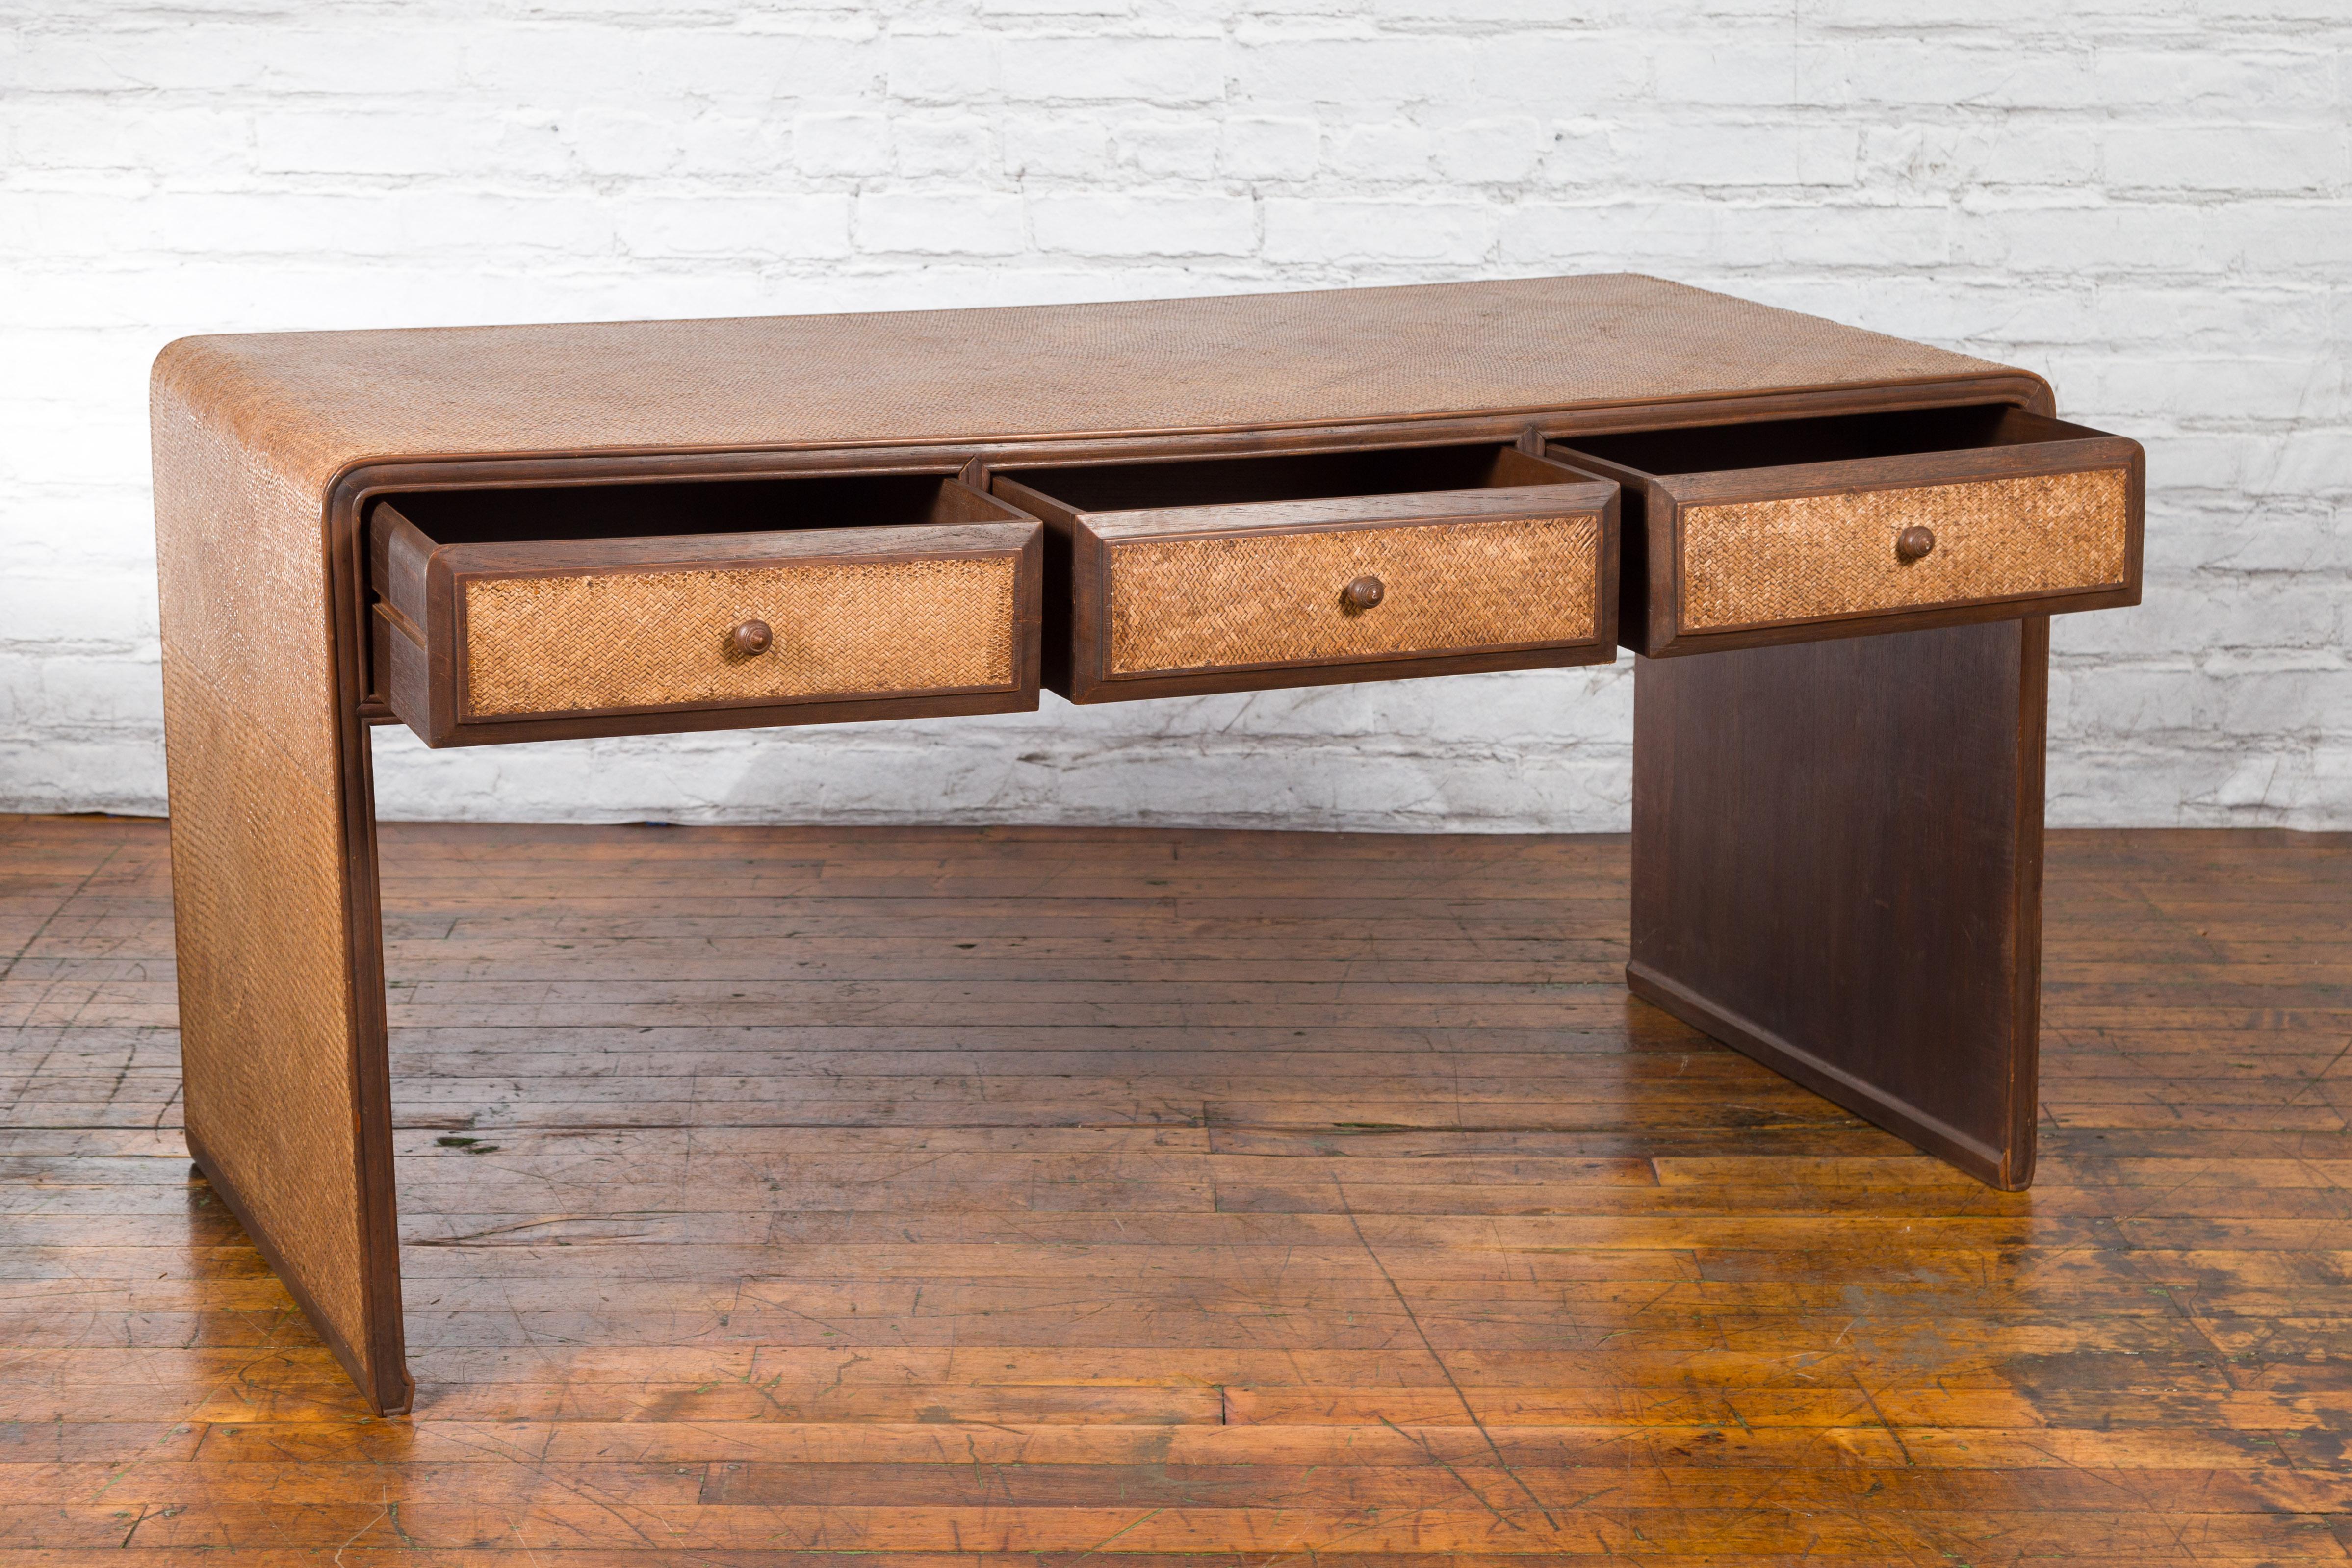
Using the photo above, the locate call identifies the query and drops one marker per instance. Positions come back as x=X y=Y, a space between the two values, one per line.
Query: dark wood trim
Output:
x=724 y=552
x=1799 y=481
x=1608 y=583
x=1068 y=620
x=2135 y=539
x=1353 y=514
x=401 y=624
x=1911 y=472
x=1029 y=615
x=1388 y=667
x=1649 y=584
x=2025 y=917
x=869 y=704
x=382 y=1372
x=1880 y=623
x=372 y=1077
x=703 y=718
x=400 y=561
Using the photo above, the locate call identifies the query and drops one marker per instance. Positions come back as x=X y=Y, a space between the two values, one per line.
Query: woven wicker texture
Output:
x=1222 y=602
x=1759 y=561
x=559 y=644
x=316 y=400
x=257 y=857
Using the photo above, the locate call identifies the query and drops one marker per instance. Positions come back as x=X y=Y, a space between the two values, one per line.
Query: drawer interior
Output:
x=1782 y=443
x=672 y=508
x=1286 y=476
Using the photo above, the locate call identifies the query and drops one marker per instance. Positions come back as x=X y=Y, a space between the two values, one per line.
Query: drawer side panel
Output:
x=582 y=642
x=1802 y=558
x=1275 y=598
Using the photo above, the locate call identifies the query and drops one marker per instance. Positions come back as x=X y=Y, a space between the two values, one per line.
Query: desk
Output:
x=1836 y=553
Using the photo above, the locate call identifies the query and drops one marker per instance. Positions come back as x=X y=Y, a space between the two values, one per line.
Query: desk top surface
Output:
x=310 y=403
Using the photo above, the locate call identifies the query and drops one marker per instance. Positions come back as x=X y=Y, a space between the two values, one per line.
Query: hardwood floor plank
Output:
x=909 y=1198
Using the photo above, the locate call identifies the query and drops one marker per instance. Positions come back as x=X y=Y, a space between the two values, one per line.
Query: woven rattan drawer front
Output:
x=1753 y=563
x=570 y=644
x=1414 y=561
x=1947 y=516
x=1237 y=601
x=484 y=642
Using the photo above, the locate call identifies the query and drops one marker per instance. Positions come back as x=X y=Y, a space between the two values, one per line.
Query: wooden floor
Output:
x=912 y=1197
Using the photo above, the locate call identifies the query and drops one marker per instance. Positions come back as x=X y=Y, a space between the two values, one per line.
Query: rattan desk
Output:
x=1837 y=551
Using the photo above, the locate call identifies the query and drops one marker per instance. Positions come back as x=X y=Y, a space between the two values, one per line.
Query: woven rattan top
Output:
x=310 y=403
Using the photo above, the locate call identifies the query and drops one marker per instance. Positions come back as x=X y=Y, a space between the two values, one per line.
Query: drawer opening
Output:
x=1785 y=442
x=660 y=510
x=1287 y=476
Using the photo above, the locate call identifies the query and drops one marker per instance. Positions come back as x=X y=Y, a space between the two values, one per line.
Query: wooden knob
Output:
x=752 y=637
x=1914 y=542
x=1363 y=593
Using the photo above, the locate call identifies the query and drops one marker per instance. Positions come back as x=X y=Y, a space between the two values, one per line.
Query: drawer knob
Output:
x=752 y=637
x=1363 y=593
x=1914 y=542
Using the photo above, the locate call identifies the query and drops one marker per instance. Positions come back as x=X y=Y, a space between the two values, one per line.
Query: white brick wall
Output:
x=2144 y=201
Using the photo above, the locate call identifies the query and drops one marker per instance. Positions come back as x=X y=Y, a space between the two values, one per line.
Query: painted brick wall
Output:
x=2144 y=201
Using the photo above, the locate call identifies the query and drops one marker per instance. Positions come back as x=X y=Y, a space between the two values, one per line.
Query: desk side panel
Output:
x=1837 y=851
x=273 y=1045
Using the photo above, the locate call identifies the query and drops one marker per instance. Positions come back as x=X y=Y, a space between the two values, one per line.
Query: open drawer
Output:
x=615 y=609
x=1794 y=530
x=1308 y=568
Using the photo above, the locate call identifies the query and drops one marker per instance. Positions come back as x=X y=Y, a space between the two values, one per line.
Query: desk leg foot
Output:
x=1837 y=870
